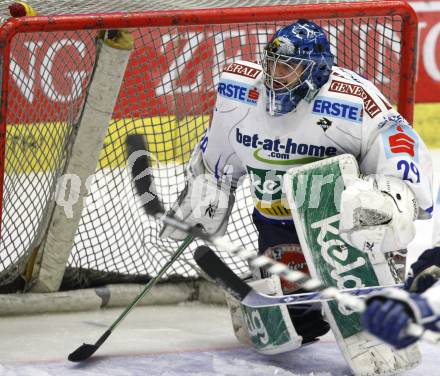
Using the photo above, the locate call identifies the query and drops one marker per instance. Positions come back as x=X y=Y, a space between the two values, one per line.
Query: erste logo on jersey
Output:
x=401 y=140
x=242 y=70
x=274 y=151
x=371 y=107
x=238 y=91
x=337 y=108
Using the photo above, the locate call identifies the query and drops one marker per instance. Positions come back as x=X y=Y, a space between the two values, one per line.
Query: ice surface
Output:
x=140 y=351
x=188 y=339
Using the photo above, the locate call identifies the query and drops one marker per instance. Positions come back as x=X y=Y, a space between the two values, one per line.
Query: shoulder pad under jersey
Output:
x=240 y=81
x=244 y=71
x=348 y=85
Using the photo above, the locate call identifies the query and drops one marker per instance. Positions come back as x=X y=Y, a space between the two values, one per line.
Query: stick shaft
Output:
x=258 y=300
x=182 y=247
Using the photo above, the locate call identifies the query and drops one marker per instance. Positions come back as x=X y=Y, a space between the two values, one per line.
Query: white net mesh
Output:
x=167 y=94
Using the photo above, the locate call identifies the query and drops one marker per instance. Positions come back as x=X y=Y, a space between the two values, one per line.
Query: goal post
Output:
x=113 y=49
x=166 y=93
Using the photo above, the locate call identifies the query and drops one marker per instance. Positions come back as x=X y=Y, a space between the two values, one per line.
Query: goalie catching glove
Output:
x=378 y=213
x=205 y=201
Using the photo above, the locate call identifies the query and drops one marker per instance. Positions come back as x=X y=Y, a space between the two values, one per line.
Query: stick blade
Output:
x=137 y=154
x=211 y=264
x=84 y=352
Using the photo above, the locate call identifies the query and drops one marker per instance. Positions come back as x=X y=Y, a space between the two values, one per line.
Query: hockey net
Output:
x=167 y=94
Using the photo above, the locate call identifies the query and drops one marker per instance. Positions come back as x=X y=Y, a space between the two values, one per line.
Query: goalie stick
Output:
x=144 y=183
x=224 y=277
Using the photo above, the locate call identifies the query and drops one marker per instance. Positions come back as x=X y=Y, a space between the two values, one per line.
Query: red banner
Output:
x=428 y=79
x=173 y=71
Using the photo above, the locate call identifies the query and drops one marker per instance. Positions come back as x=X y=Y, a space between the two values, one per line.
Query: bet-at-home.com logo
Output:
x=274 y=151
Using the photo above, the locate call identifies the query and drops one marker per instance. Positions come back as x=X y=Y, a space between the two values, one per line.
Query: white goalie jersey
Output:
x=347 y=115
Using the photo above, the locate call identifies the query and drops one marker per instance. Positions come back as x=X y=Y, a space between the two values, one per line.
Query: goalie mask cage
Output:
x=167 y=94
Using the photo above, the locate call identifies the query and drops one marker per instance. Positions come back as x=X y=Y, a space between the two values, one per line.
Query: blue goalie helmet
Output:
x=297 y=62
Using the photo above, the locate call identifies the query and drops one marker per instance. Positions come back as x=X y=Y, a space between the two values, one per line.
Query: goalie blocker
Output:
x=205 y=201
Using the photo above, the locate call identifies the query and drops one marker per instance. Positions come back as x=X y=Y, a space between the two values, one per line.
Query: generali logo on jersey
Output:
x=242 y=70
x=370 y=106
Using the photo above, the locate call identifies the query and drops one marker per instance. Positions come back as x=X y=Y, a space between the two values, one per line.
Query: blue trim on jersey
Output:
x=273 y=221
x=430 y=210
x=216 y=174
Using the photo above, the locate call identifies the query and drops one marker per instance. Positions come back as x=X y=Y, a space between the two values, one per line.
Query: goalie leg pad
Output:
x=280 y=242
x=338 y=264
x=269 y=330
